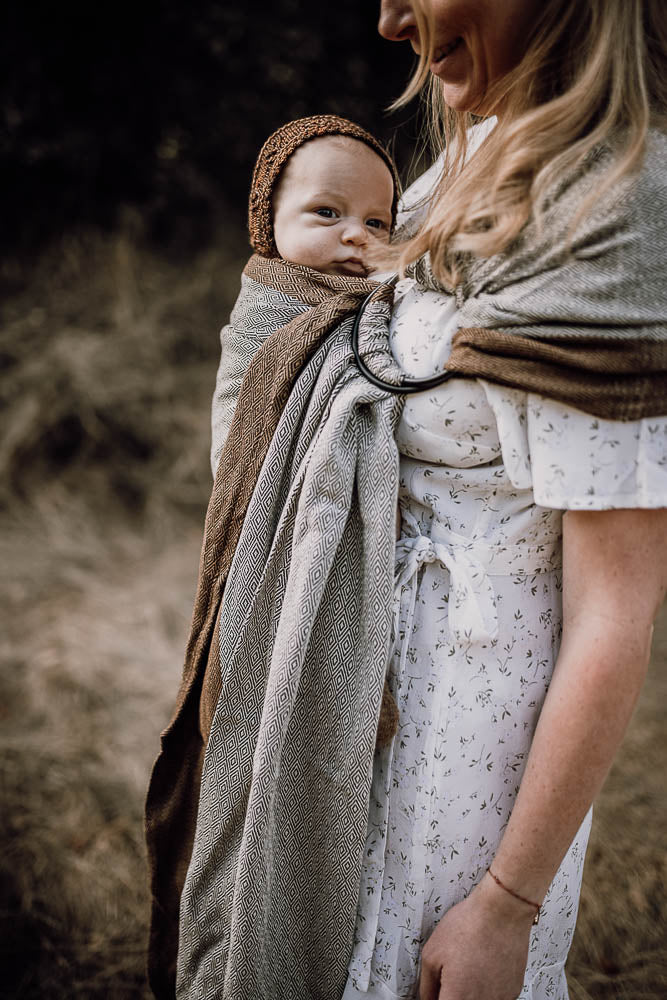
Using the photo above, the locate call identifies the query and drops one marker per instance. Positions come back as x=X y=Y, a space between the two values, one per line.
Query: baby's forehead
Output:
x=325 y=148
x=332 y=158
x=323 y=145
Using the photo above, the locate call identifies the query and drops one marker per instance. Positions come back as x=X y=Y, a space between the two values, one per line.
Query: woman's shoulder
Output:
x=595 y=227
x=656 y=151
x=638 y=197
x=649 y=193
x=416 y=200
x=625 y=220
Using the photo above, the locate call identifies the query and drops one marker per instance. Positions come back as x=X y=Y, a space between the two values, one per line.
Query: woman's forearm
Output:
x=596 y=683
x=613 y=582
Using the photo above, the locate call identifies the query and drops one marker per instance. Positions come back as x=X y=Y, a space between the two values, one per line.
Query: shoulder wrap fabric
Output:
x=301 y=373
x=576 y=308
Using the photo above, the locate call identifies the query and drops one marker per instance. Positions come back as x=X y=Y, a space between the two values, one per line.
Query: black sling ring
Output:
x=406 y=385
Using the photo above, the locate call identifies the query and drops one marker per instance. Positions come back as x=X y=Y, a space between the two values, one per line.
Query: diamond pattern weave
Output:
x=269 y=902
x=273 y=370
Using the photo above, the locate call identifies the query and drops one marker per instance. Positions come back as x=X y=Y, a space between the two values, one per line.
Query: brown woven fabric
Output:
x=275 y=153
x=173 y=795
x=612 y=379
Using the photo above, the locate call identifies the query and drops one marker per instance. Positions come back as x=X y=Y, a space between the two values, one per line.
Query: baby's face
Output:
x=333 y=198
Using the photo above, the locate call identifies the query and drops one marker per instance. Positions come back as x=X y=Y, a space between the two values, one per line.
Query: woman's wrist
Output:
x=535 y=906
x=505 y=905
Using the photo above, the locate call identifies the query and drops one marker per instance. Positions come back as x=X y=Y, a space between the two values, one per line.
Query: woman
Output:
x=547 y=232
x=489 y=771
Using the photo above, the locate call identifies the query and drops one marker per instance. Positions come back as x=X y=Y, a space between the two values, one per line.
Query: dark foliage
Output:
x=165 y=104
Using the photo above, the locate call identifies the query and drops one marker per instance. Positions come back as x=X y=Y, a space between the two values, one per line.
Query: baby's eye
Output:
x=326 y=213
x=376 y=223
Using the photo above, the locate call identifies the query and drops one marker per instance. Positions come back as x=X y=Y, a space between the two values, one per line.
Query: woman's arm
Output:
x=614 y=579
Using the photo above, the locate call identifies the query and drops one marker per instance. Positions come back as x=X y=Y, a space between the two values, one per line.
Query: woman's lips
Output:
x=443 y=53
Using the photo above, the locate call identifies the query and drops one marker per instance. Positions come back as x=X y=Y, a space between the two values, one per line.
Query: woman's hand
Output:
x=479 y=949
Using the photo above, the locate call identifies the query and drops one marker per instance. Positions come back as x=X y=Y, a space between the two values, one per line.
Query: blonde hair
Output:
x=558 y=103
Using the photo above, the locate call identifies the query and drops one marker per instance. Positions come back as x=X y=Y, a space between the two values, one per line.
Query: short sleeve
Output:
x=574 y=461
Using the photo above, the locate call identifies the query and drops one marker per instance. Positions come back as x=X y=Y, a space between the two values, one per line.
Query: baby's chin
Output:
x=354 y=267
x=351 y=268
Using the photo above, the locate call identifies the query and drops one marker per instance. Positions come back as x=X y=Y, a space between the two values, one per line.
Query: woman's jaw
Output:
x=475 y=43
x=454 y=65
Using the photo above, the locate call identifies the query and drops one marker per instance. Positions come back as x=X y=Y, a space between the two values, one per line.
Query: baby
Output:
x=323 y=189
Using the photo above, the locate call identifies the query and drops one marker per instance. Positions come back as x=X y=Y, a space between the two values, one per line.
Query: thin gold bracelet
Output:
x=538 y=906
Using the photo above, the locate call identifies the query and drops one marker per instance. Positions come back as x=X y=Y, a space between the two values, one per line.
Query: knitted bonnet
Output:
x=275 y=153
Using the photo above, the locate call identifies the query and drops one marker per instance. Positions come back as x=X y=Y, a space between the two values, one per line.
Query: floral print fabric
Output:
x=485 y=476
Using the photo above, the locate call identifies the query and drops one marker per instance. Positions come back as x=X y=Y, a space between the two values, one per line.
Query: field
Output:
x=109 y=358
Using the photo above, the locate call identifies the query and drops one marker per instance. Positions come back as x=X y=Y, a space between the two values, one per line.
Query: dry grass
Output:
x=105 y=476
x=90 y=663
x=109 y=357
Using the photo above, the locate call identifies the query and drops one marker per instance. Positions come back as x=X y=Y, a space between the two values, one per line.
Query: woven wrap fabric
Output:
x=255 y=317
x=275 y=153
x=289 y=324
x=576 y=310
x=269 y=903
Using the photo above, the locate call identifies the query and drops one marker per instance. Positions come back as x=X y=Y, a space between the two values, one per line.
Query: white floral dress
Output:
x=485 y=475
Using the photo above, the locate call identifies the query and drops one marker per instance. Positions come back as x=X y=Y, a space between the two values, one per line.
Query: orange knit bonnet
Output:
x=275 y=153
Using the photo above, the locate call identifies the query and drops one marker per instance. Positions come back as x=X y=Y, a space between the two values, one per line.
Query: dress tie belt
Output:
x=470 y=562
x=471 y=604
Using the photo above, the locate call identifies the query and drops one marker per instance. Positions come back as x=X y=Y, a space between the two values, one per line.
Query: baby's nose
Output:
x=354 y=232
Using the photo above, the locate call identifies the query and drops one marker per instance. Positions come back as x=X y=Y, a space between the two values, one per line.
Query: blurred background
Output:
x=128 y=133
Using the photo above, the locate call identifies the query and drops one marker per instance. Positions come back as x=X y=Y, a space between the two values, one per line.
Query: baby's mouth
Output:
x=354 y=266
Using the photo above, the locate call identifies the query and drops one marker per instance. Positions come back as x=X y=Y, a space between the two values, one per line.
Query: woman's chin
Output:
x=464 y=94
x=460 y=96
